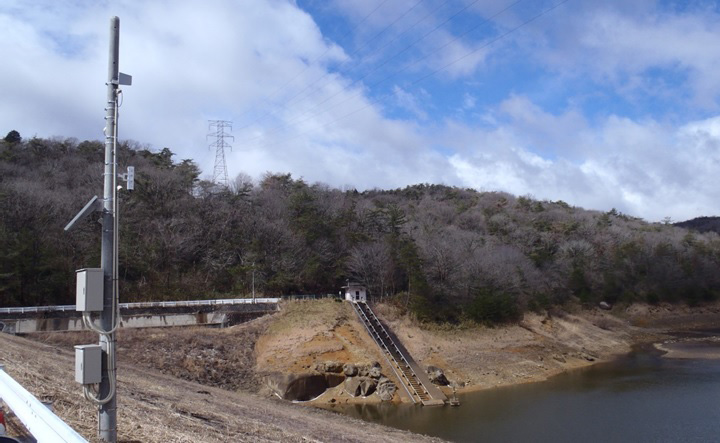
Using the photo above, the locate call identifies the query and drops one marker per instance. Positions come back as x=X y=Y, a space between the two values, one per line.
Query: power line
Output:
x=307 y=66
x=423 y=78
x=300 y=118
x=290 y=100
x=490 y=42
x=402 y=51
x=316 y=81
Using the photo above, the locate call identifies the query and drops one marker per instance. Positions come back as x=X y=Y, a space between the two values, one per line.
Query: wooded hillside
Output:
x=449 y=253
x=701 y=224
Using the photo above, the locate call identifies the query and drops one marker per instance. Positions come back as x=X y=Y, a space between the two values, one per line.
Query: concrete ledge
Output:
x=139 y=317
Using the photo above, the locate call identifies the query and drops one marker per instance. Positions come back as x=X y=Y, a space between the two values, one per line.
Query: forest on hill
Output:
x=446 y=253
x=701 y=224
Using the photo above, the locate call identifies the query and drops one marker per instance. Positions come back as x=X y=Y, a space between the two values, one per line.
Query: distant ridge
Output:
x=701 y=224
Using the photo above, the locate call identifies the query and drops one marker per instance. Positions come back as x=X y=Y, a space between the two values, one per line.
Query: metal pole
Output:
x=107 y=414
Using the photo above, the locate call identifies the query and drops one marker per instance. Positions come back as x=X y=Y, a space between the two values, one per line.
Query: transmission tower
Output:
x=217 y=130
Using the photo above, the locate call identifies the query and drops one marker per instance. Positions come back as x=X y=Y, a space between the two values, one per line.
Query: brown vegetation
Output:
x=213 y=407
x=154 y=407
x=451 y=254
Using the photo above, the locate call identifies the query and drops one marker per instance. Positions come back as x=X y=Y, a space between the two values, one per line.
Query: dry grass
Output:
x=154 y=407
x=158 y=406
x=296 y=314
x=214 y=357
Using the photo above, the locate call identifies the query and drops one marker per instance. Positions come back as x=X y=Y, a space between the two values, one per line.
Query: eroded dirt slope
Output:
x=156 y=407
x=540 y=346
x=305 y=333
x=211 y=356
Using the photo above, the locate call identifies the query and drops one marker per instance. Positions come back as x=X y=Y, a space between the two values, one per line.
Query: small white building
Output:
x=355 y=292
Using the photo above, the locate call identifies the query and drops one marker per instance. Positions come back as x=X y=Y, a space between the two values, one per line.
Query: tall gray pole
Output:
x=107 y=414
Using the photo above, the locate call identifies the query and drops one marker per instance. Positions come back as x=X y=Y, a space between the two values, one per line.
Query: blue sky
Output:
x=601 y=104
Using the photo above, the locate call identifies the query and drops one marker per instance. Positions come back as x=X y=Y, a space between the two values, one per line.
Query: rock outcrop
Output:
x=437 y=376
x=365 y=370
x=360 y=386
x=386 y=389
x=359 y=380
x=352 y=386
x=329 y=366
x=350 y=370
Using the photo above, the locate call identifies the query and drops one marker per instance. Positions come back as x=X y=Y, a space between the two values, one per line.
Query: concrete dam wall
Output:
x=147 y=316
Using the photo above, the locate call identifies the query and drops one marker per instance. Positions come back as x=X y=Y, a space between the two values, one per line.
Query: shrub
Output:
x=491 y=307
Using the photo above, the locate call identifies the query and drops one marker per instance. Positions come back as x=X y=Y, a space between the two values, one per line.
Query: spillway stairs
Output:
x=416 y=383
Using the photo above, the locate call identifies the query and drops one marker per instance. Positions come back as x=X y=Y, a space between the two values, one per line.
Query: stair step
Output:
x=386 y=342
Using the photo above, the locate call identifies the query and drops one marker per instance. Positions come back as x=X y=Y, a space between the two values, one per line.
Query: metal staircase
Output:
x=415 y=382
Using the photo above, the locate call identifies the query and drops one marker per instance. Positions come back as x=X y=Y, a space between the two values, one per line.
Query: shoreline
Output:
x=706 y=347
x=539 y=347
x=544 y=346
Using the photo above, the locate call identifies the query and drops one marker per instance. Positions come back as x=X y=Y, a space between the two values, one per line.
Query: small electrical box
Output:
x=89 y=293
x=88 y=364
x=130 y=178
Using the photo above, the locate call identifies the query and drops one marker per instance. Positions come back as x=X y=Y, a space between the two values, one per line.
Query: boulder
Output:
x=352 y=386
x=367 y=386
x=386 y=389
x=364 y=370
x=605 y=305
x=350 y=370
x=437 y=376
x=333 y=366
x=360 y=386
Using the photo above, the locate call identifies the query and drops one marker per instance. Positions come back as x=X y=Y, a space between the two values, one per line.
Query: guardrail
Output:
x=152 y=304
x=309 y=296
x=42 y=423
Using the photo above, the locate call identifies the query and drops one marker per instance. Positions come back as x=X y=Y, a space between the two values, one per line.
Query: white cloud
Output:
x=409 y=102
x=266 y=66
x=646 y=169
x=189 y=64
x=469 y=101
x=621 y=43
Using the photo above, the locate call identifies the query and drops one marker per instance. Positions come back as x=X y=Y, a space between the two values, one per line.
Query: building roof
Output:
x=353 y=285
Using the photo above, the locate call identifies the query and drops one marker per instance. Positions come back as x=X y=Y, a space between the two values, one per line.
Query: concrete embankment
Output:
x=136 y=317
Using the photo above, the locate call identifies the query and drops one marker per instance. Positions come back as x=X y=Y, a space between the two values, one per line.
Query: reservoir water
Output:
x=642 y=397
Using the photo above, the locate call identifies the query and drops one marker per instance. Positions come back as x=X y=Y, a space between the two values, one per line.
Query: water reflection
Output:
x=642 y=397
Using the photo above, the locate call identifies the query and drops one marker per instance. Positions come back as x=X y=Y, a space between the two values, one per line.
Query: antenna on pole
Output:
x=97 y=288
x=217 y=129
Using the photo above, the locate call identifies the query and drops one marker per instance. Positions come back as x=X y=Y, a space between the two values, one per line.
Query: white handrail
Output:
x=37 y=418
x=376 y=337
x=158 y=304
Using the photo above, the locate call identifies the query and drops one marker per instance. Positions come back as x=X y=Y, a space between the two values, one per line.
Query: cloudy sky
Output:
x=601 y=104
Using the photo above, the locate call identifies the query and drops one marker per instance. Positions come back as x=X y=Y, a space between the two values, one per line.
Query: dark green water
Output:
x=640 y=398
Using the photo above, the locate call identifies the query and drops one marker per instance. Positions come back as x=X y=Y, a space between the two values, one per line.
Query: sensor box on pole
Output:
x=89 y=293
x=88 y=364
